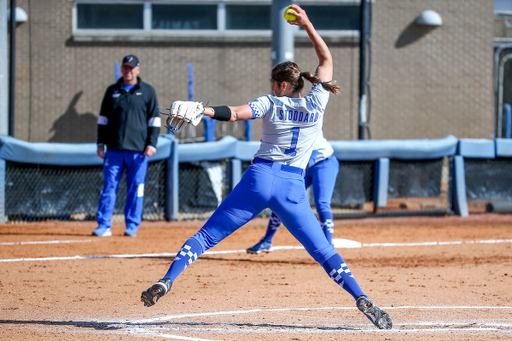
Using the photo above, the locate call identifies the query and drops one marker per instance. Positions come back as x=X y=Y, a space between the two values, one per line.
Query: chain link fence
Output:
x=46 y=192
x=495 y=186
x=416 y=187
x=42 y=192
x=202 y=188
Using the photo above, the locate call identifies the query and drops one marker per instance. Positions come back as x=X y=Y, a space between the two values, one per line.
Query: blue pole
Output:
x=209 y=124
x=117 y=71
x=283 y=43
x=172 y=184
x=190 y=82
x=508 y=123
x=209 y=129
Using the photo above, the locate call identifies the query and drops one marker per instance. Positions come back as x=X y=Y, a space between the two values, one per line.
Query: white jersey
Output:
x=323 y=148
x=291 y=126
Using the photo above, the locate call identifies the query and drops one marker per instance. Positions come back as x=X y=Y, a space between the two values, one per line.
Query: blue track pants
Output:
x=136 y=165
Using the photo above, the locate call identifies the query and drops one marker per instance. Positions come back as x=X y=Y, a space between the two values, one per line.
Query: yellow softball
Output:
x=288 y=16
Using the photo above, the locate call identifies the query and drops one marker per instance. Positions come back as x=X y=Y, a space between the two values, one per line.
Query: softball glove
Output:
x=182 y=112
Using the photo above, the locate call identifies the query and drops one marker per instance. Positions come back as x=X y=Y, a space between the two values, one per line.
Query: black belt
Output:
x=284 y=168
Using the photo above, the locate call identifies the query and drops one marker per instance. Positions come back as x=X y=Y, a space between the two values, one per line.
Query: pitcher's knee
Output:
x=323 y=254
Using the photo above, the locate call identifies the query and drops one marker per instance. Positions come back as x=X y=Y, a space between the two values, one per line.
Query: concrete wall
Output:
x=424 y=83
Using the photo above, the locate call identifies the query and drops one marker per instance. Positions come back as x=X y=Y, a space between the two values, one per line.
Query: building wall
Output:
x=429 y=83
x=424 y=83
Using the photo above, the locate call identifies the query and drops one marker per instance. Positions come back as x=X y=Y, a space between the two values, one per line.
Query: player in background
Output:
x=291 y=125
x=322 y=170
x=128 y=126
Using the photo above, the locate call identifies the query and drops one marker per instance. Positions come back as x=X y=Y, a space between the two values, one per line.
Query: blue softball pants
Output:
x=322 y=176
x=115 y=163
x=278 y=187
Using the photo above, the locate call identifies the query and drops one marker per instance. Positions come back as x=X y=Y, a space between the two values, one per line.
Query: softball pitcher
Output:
x=290 y=128
x=322 y=170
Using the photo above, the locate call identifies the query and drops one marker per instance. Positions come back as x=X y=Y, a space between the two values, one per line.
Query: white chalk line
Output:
x=48 y=242
x=166 y=254
x=436 y=326
x=492 y=241
x=236 y=312
x=147 y=333
x=134 y=327
x=157 y=327
x=301 y=331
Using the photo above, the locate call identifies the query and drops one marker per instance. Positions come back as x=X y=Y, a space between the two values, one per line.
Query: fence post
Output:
x=209 y=129
x=381 y=183
x=2 y=191
x=458 y=184
x=235 y=173
x=172 y=184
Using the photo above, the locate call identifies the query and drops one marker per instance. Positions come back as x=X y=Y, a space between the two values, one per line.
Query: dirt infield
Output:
x=439 y=278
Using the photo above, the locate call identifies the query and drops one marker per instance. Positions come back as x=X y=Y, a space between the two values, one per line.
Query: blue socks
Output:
x=328 y=227
x=334 y=266
x=327 y=222
x=273 y=225
x=340 y=273
x=186 y=256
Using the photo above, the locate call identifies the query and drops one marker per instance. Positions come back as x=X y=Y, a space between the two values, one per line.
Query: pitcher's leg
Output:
x=299 y=219
x=324 y=181
x=241 y=206
x=339 y=272
x=273 y=225
x=265 y=244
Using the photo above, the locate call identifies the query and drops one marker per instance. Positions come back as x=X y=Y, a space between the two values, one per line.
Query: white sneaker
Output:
x=102 y=232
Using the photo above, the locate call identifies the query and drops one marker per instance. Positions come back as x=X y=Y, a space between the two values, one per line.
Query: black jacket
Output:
x=129 y=120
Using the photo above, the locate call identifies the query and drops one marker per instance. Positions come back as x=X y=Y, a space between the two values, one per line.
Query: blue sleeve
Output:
x=260 y=107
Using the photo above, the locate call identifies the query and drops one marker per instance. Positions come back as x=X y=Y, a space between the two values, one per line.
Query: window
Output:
x=334 y=17
x=208 y=20
x=110 y=16
x=236 y=18
x=184 y=17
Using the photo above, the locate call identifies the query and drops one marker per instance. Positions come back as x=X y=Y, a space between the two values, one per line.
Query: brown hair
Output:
x=290 y=72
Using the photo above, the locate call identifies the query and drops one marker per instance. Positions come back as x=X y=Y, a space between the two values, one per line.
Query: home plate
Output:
x=345 y=243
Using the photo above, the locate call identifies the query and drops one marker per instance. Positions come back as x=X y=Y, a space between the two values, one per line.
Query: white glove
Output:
x=184 y=112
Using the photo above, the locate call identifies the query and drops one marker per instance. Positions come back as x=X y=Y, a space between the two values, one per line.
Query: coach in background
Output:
x=128 y=128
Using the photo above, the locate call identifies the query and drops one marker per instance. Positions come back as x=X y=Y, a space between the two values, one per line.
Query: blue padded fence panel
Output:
x=367 y=150
x=226 y=148
x=503 y=147
x=476 y=148
x=66 y=154
x=395 y=149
